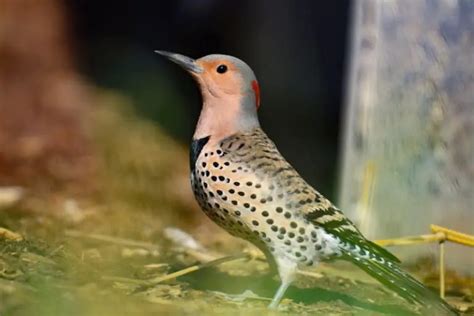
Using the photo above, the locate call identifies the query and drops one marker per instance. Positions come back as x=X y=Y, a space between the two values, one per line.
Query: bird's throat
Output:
x=222 y=117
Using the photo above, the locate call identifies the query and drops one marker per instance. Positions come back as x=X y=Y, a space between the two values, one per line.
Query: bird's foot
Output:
x=247 y=294
x=273 y=305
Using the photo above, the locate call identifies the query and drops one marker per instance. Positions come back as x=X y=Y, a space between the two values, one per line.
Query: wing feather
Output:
x=256 y=152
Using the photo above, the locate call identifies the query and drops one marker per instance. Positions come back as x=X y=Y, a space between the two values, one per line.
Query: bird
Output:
x=243 y=183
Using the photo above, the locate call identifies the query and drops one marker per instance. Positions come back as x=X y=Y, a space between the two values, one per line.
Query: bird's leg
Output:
x=287 y=270
x=279 y=295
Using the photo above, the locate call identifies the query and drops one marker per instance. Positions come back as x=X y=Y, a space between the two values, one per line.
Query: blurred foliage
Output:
x=42 y=101
x=140 y=166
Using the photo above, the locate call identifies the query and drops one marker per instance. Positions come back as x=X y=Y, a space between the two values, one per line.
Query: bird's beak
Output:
x=187 y=63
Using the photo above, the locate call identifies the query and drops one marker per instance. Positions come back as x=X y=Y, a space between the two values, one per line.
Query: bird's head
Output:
x=230 y=92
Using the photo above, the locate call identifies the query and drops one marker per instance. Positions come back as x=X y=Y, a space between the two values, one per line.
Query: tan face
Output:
x=220 y=77
x=230 y=92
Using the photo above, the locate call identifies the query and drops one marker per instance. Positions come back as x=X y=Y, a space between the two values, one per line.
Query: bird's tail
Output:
x=392 y=276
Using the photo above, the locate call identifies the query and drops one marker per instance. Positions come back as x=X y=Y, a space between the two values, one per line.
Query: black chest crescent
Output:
x=196 y=148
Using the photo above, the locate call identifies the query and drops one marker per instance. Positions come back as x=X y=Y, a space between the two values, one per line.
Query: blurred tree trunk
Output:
x=42 y=99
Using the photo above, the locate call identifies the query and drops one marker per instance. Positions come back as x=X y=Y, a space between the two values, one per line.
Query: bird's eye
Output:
x=221 y=69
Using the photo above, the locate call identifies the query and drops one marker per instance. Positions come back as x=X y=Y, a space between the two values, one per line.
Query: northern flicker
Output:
x=243 y=183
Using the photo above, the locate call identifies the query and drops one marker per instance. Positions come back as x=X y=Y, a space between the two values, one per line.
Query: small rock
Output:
x=8 y=234
x=10 y=196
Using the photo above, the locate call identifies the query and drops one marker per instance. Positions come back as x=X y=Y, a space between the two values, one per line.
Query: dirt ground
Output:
x=76 y=273
x=110 y=252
